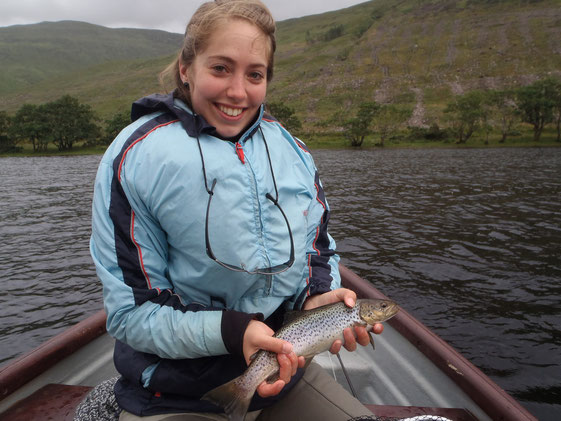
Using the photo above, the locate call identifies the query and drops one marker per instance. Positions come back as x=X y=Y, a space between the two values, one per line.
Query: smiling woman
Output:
x=187 y=316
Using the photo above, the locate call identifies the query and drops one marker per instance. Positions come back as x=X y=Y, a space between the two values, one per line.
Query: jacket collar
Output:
x=193 y=124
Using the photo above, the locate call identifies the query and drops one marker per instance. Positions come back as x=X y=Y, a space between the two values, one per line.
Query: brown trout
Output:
x=310 y=332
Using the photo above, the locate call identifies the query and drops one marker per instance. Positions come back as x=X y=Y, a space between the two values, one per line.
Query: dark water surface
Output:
x=46 y=271
x=468 y=241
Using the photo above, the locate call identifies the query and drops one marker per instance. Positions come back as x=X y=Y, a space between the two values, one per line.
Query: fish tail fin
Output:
x=232 y=398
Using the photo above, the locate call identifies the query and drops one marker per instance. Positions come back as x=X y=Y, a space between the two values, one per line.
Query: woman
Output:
x=209 y=223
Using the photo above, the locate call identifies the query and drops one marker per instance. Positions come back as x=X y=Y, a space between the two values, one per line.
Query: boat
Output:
x=412 y=372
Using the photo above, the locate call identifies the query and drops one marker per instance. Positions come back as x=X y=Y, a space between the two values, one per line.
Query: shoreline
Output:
x=325 y=144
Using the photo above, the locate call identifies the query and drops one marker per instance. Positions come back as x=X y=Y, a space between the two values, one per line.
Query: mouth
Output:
x=230 y=111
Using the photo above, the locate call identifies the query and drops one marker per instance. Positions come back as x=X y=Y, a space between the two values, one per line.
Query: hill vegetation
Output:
x=32 y=54
x=415 y=56
x=416 y=53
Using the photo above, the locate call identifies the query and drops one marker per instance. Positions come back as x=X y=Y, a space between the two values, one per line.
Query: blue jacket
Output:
x=177 y=315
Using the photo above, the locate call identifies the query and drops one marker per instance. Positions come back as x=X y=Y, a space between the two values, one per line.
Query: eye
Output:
x=219 y=68
x=256 y=76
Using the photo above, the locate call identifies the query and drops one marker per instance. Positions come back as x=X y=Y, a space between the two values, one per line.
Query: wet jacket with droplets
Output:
x=177 y=315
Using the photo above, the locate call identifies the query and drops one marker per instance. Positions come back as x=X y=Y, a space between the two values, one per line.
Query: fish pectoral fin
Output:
x=371 y=335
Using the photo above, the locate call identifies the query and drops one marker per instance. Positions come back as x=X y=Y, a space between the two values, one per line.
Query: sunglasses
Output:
x=273 y=270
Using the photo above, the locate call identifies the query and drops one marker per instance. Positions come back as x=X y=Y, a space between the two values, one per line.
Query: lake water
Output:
x=468 y=241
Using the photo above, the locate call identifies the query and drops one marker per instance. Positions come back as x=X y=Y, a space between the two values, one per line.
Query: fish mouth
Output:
x=229 y=111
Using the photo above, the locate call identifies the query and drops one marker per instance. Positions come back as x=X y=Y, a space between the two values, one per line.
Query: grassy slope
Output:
x=34 y=53
x=410 y=52
x=415 y=51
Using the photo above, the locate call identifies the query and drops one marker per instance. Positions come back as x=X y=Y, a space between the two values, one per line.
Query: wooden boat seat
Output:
x=51 y=402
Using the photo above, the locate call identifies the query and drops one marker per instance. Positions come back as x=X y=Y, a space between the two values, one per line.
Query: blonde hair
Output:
x=202 y=25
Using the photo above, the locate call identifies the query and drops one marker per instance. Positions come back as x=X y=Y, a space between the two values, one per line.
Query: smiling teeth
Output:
x=232 y=112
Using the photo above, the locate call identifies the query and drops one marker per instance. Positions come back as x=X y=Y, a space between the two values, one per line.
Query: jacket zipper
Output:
x=239 y=151
x=241 y=156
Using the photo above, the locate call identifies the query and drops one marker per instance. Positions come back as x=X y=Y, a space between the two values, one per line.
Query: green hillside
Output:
x=415 y=53
x=34 y=53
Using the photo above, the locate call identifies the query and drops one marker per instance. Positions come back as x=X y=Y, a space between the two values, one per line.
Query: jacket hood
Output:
x=194 y=124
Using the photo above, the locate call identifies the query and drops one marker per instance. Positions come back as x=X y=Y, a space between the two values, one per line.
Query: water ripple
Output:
x=48 y=276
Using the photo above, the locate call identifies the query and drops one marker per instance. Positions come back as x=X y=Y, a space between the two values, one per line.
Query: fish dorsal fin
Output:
x=291 y=316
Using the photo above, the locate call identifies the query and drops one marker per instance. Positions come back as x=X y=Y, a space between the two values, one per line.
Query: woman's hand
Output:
x=259 y=336
x=352 y=336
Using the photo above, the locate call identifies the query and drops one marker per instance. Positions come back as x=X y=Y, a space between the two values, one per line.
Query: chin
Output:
x=229 y=132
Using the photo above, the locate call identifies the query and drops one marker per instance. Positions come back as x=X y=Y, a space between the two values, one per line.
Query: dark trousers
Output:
x=317 y=396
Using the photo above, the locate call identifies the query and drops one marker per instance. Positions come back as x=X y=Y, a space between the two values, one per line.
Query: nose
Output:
x=236 y=90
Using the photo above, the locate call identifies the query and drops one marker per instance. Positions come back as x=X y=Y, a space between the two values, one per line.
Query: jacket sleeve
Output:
x=323 y=261
x=129 y=250
x=322 y=272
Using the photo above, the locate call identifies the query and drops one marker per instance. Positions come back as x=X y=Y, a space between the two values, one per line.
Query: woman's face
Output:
x=228 y=80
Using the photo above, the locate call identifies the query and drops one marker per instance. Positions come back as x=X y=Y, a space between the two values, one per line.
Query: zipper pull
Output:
x=239 y=151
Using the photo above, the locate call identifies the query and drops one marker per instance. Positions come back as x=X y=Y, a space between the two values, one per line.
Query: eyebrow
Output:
x=231 y=61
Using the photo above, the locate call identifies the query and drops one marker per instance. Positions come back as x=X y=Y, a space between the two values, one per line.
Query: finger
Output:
x=257 y=335
x=336 y=347
x=285 y=367
x=378 y=328
x=350 y=341
x=275 y=345
x=301 y=362
x=265 y=389
x=362 y=336
x=293 y=362
x=347 y=296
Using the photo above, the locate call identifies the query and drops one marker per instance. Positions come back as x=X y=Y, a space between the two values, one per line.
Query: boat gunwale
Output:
x=492 y=399
x=35 y=362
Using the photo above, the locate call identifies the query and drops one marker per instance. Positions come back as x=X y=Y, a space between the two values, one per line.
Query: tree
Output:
x=285 y=115
x=504 y=112
x=486 y=122
x=388 y=119
x=31 y=123
x=6 y=141
x=535 y=103
x=70 y=122
x=556 y=109
x=357 y=128
x=465 y=114
x=114 y=126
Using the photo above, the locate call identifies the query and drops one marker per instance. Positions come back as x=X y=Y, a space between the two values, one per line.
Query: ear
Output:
x=184 y=73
